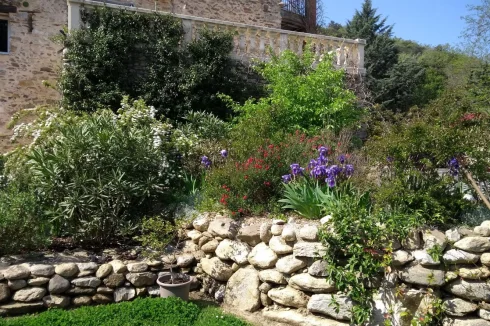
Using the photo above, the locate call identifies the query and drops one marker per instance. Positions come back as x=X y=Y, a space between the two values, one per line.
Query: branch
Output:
x=477 y=188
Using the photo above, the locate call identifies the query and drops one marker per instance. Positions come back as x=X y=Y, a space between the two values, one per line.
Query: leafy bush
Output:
x=126 y=53
x=97 y=175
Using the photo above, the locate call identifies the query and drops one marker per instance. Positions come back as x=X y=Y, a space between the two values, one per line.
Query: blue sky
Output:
x=430 y=22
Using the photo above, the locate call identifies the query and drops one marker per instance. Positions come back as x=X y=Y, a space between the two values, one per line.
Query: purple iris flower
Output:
x=319 y=171
x=342 y=159
x=286 y=178
x=333 y=171
x=390 y=159
x=453 y=167
x=224 y=153
x=330 y=181
x=348 y=170
x=312 y=164
x=296 y=169
x=323 y=151
x=322 y=159
x=205 y=161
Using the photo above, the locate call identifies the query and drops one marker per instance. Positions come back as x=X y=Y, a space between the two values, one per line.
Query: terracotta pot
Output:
x=179 y=290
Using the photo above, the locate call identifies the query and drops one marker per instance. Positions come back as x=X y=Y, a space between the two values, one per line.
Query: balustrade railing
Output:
x=254 y=42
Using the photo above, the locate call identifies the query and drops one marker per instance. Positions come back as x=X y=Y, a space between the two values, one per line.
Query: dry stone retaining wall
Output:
x=274 y=268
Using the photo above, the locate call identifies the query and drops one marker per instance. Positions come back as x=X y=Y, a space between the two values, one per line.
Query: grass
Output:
x=140 y=312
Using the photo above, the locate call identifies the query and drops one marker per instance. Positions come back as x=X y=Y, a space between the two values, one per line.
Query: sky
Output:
x=430 y=22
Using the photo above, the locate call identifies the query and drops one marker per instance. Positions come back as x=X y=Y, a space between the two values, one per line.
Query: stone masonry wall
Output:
x=274 y=269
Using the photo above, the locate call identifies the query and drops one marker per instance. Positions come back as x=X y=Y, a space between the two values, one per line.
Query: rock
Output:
x=290 y=264
x=217 y=269
x=114 y=280
x=451 y=276
x=104 y=270
x=118 y=266
x=20 y=308
x=471 y=290
x=81 y=301
x=185 y=260
x=137 y=267
x=288 y=233
x=318 y=268
x=16 y=272
x=308 y=283
x=309 y=249
x=250 y=235
x=455 y=256
x=29 y=294
x=4 y=292
x=451 y=321
x=154 y=263
x=295 y=318
x=278 y=221
x=219 y=295
x=338 y=306
x=194 y=235
x=265 y=232
x=276 y=229
x=201 y=222
x=280 y=246
x=288 y=297
x=413 y=241
x=422 y=276
x=262 y=256
x=124 y=294
x=401 y=257
x=203 y=240
x=272 y=276
x=223 y=227
x=87 y=268
x=453 y=235
x=233 y=250
x=1 y=276
x=482 y=230
x=265 y=287
x=141 y=292
x=424 y=259
x=90 y=282
x=141 y=279
x=485 y=224
x=56 y=301
x=309 y=233
x=485 y=259
x=105 y=290
x=265 y=300
x=210 y=247
x=434 y=238
x=38 y=281
x=458 y=307
x=80 y=291
x=474 y=244
x=17 y=284
x=242 y=290
x=100 y=298
x=484 y=313
x=154 y=291
x=58 y=284
x=67 y=269
x=42 y=270
x=474 y=273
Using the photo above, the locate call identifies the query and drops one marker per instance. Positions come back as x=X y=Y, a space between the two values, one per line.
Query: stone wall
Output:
x=274 y=269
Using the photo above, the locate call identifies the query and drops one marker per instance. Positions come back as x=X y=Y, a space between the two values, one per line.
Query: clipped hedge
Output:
x=140 y=312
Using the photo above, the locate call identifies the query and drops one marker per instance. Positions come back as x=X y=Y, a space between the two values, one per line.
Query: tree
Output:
x=333 y=29
x=380 y=52
x=477 y=32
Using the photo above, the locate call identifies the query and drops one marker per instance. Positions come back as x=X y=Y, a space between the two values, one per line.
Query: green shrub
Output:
x=97 y=175
x=140 y=312
x=122 y=53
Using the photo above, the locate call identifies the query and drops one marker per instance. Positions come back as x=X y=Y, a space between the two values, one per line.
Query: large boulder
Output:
x=458 y=307
x=280 y=246
x=474 y=244
x=318 y=268
x=265 y=232
x=290 y=264
x=89 y=282
x=306 y=282
x=434 y=238
x=217 y=269
x=201 y=222
x=19 y=308
x=86 y=269
x=16 y=272
x=210 y=246
x=262 y=256
x=83 y=300
x=338 y=306
x=141 y=279
x=223 y=227
x=471 y=290
x=423 y=258
x=242 y=290
x=58 y=284
x=309 y=249
x=233 y=250
x=124 y=294
x=420 y=275
x=401 y=257
x=474 y=273
x=272 y=276
x=309 y=233
x=295 y=318
x=456 y=256
x=17 y=284
x=288 y=233
x=250 y=234
x=485 y=259
x=56 y=301
x=4 y=292
x=288 y=297
x=137 y=267
x=38 y=281
x=118 y=266
x=29 y=294
x=104 y=270
x=67 y=269
x=114 y=280
x=42 y=270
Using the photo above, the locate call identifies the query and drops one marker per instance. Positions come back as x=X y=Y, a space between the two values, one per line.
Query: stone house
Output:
x=28 y=56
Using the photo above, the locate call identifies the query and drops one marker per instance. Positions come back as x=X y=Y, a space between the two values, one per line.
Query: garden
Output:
x=134 y=152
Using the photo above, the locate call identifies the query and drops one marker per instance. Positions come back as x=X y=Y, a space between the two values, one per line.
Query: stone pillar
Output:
x=311 y=16
x=360 y=51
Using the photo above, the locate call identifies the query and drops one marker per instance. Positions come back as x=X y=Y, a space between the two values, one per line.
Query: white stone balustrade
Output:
x=252 y=42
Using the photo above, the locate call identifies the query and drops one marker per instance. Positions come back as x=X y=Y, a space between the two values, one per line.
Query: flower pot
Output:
x=179 y=289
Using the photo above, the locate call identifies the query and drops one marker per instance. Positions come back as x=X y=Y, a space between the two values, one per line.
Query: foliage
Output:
x=302 y=95
x=477 y=33
x=147 y=312
x=333 y=29
x=125 y=53
x=305 y=198
x=98 y=175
